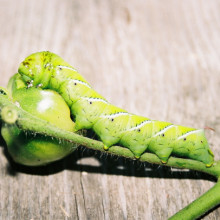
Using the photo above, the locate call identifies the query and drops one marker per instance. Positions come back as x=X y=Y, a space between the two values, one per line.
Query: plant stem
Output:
x=203 y=204
x=30 y=123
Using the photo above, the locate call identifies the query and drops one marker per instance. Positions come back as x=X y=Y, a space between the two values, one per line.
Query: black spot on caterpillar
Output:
x=113 y=125
x=3 y=91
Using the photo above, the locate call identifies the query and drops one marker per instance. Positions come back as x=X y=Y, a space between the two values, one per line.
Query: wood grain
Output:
x=154 y=58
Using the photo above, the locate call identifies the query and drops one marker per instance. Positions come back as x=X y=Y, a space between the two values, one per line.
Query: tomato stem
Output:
x=28 y=122
x=200 y=206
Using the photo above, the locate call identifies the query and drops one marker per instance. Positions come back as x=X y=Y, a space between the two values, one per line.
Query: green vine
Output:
x=25 y=121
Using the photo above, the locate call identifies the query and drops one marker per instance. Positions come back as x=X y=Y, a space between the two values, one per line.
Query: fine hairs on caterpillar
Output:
x=113 y=125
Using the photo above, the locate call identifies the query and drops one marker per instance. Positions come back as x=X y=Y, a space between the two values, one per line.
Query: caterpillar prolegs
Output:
x=113 y=125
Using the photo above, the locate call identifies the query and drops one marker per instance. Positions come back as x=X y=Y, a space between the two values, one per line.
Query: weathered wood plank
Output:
x=152 y=58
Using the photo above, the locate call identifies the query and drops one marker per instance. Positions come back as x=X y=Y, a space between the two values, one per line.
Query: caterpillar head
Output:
x=37 y=68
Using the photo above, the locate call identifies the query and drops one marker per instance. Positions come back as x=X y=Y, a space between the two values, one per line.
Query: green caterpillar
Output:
x=113 y=125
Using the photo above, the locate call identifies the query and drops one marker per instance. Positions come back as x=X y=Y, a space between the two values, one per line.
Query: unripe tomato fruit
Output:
x=35 y=149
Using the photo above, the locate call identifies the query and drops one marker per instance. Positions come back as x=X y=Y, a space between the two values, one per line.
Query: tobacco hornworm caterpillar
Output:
x=113 y=125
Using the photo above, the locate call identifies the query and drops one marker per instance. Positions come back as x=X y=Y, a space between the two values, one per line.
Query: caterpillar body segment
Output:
x=113 y=125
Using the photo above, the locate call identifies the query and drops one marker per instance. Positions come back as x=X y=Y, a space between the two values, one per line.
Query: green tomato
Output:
x=34 y=149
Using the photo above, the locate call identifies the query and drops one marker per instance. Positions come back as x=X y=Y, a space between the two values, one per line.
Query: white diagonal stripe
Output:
x=112 y=116
x=67 y=67
x=95 y=100
x=188 y=133
x=80 y=82
x=140 y=125
x=163 y=130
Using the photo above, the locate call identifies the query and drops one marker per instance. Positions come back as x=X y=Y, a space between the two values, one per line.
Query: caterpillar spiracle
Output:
x=112 y=124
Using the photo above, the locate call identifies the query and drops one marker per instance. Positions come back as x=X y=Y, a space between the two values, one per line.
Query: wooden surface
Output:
x=159 y=59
